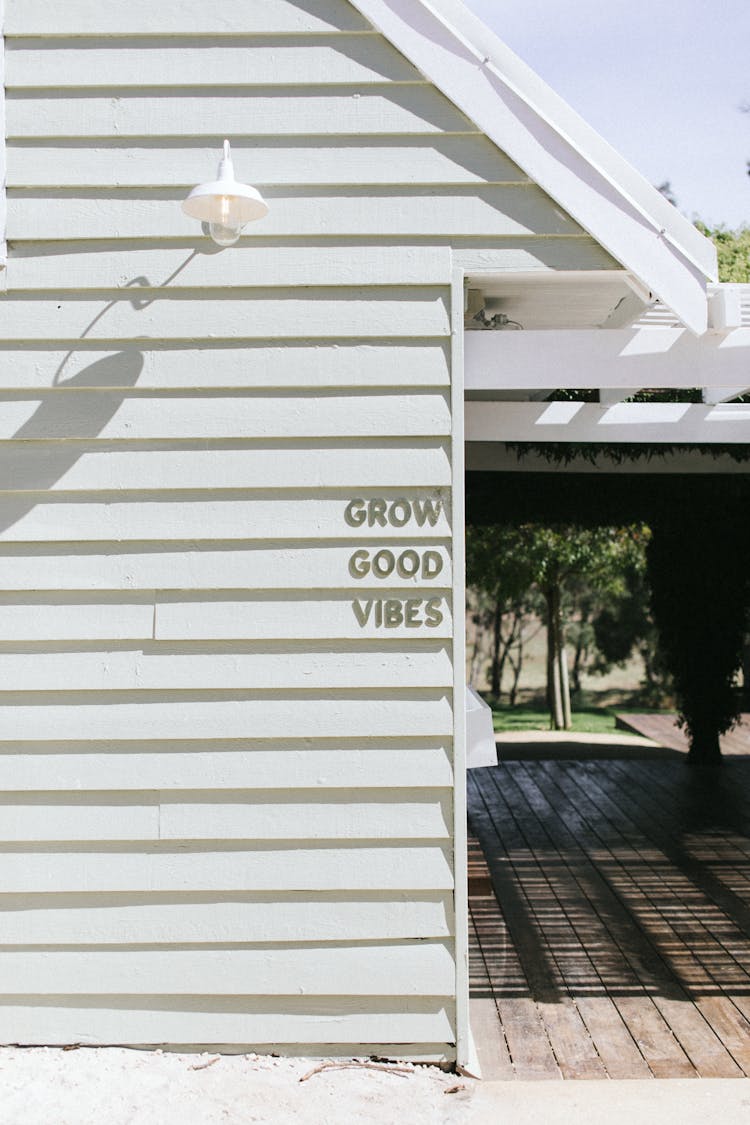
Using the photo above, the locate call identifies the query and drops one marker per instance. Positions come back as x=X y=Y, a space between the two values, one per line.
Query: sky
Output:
x=662 y=80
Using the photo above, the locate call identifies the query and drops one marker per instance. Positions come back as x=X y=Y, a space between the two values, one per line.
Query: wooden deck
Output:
x=662 y=728
x=617 y=943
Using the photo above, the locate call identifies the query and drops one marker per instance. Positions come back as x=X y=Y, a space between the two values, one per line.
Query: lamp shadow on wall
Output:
x=65 y=423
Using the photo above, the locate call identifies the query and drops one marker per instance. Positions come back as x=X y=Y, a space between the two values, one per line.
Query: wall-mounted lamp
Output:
x=225 y=204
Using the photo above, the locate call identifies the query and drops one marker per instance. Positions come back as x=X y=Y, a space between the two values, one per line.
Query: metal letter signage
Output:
x=410 y=565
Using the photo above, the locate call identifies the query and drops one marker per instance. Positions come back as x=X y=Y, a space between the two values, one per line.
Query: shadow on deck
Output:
x=617 y=941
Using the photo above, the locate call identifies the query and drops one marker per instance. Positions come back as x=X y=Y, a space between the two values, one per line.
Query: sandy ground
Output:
x=117 y=1086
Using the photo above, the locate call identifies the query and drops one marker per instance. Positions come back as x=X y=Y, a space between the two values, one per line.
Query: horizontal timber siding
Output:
x=434 y=159
x=308 y=1026
x=332 y=763
x=192 y=17
x=100 y=718
x=235 y=866
x=170 y=61
x=389 y=970
x=273 y=111
x=194 y=567
x=118 y=919
x=237 y=815
x=347 y=212
x=226 y=667
x=226 y=750
x=250 y=314
x=91 y=465
x=258 y=266
x=275 y=514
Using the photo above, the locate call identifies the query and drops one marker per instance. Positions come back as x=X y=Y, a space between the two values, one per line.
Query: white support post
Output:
x=460 y=847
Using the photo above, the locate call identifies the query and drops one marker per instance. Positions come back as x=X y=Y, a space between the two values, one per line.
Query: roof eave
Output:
x=524 y=117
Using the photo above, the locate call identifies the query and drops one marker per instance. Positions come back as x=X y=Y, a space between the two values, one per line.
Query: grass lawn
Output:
x=586 y=720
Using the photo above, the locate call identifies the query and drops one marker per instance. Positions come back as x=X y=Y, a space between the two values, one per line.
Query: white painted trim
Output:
x=555 y=147
x=725 y=307
x=628 y=358
x=460 y=847
x=675 y=423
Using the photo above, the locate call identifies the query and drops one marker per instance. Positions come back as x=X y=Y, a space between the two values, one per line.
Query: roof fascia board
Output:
x=518 y=111
x=492 y=52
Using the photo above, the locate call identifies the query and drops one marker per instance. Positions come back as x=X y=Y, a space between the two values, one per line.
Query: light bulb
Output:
x=223 y=235
x=225 y=230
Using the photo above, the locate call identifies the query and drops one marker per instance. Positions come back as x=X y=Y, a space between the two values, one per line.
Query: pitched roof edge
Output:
x=566 y=157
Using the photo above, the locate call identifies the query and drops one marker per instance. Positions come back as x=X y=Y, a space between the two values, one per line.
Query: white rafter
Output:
x=630 y=422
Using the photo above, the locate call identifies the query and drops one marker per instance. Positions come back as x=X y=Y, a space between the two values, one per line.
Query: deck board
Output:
x=661 y=727
x=618 y=941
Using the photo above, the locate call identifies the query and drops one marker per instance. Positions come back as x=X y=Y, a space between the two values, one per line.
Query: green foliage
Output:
x=554 y=554
x=494 y=563
x=602 y=455
x=499 y=580
x=698 y=569
x=624 y=624
x=576 y=569
x=733 y=251
x=616 y=629
x=505 y=561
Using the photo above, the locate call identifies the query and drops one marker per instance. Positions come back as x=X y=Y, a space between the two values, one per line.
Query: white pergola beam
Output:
x=715 y=395
x=627 y=358
x=629 y=422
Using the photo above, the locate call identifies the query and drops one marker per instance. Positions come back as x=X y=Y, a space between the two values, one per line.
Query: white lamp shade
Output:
x=225 y=201
x=225 y=204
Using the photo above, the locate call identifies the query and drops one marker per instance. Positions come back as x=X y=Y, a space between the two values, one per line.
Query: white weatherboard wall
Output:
x=227 y=811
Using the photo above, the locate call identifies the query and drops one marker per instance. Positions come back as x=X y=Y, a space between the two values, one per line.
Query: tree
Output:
x=559 y=555
x=733 y=251
x=506 y=561
x=625 y=624
x=500 y=577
